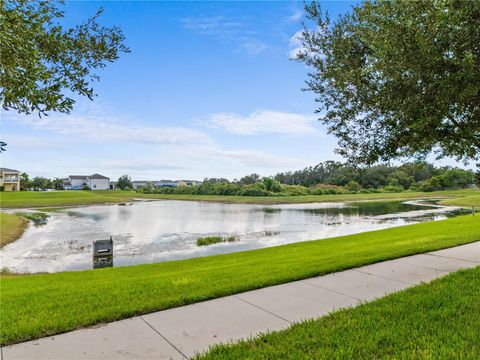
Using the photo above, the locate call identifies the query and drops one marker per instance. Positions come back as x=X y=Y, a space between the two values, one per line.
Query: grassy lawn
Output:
x=27 y=199
x=11 y=227
x=470 y=201
x=439 y=320
x=33 y=306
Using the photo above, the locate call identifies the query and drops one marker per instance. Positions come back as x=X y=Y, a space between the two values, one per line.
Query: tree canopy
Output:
x=398 y=78
x=42 y=63
x=124 y=182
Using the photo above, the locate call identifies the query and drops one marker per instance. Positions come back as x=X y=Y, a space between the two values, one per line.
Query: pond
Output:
x=153 y=231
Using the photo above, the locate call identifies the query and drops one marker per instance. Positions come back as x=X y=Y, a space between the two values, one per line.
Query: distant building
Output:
x=140 y=184
x=137 y=184
x=164 y=183
x=10 y=179
x=94 y=182
x=189 y=182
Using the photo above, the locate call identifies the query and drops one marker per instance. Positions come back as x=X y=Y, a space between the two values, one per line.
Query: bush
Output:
x=2 y=188
x=318 y=191
x=295 y=190
x=353 y=186
x=271 y=185
x=252 y=190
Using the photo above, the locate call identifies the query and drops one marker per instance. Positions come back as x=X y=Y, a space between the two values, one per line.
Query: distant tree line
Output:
x=39 y=183
x=329 y=177
x=335 y=178
x=416 y=176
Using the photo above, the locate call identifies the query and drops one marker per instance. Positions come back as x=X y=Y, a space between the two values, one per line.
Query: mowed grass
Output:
x=11 y=227
x=298 y=199
x=467 y=201
x=439 y=320
x=28 y=199
x=33 y=306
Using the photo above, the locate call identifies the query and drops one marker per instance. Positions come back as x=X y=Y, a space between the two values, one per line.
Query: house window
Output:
x=94 y=186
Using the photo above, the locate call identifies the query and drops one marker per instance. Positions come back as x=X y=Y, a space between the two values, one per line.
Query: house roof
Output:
x=9 y=170
x=98 y=176
x=94 y=176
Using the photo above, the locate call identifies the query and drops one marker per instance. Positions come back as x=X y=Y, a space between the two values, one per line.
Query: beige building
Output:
x=10 y=179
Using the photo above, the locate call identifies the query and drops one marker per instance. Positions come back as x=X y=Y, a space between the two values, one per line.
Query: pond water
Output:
x=152 y=231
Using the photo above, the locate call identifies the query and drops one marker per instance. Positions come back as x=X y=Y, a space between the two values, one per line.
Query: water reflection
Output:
x=165 y=230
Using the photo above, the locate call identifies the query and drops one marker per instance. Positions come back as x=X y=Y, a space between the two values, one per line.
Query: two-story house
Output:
x=94 y=182
x=10 y=179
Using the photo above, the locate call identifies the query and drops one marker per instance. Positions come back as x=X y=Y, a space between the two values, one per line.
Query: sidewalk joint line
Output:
x=163 y=337
x=385 y=277
x=259 y=307
x=330 y=290
x=454 y=258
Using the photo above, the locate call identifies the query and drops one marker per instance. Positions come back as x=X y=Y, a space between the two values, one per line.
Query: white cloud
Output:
x=97 y=126
x=248 y=158
x=91 y=140
x=228 y=31
x=253 y=47
x=214 y=25
x=296 y=47
x=151 y=164
x=296 y=16
x=264 y=122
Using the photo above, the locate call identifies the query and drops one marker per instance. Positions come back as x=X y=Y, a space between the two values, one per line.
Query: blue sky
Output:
x=208 y=90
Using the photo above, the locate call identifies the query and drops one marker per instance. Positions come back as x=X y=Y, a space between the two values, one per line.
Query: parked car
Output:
x=74 y=187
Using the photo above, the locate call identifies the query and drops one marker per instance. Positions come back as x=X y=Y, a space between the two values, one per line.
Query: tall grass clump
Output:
x=210 y=240
x=38 y=218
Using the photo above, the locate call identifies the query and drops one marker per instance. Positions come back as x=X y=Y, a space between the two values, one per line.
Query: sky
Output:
x=209 y=89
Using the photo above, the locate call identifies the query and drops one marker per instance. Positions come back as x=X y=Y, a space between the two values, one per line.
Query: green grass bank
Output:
x=438 y=320
x=29 y=199
x=33 y=306
x=11 y=227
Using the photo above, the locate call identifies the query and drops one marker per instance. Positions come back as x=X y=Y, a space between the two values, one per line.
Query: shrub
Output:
x=252 y=190
x=295 y=190
x=353 y=186
x=271 y=185
x=318 y=191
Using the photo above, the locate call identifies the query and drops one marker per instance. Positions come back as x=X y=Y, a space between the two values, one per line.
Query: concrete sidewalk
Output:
x=181 y=332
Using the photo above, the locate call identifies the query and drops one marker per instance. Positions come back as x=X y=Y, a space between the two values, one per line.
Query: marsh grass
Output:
x=271 y=233
x=210 y=240
x=38 y=218
x=271 y=210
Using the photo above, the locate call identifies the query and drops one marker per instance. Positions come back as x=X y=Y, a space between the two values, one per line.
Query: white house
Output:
x=94 y=182
x=140 y=184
